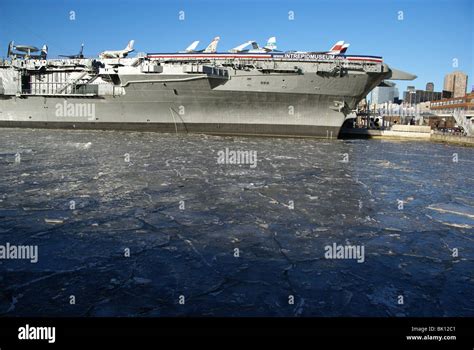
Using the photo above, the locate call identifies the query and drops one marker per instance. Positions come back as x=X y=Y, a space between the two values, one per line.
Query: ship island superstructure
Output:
x=244 y=93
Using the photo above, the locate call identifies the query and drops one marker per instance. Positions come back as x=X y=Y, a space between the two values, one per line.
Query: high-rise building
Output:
x=429 y=86
x=382 y=94
x=456 y=83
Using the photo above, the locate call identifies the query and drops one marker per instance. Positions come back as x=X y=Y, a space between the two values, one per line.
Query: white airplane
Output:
x=211 y=48
x=338 y=48
x=119 y=53
x=26 y=51
x=270 y=46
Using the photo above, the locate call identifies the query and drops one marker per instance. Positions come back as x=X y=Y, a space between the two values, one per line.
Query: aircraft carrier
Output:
x=245 y=92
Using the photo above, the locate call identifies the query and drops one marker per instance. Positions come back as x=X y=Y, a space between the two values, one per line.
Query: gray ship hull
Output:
x=219 y=112
x=179 y=109
x=199 y=128
x=275 y=99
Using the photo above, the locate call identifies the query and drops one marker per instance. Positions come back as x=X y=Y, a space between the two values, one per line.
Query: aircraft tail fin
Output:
x=271 y=44
x=344 y=48
x=130 y=45
x=44 y=51
x=192 y=47
x=255 y=46
x=212 y=47
x=336 y=48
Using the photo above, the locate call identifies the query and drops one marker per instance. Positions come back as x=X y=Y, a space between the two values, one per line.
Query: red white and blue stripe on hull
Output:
x=293 y=56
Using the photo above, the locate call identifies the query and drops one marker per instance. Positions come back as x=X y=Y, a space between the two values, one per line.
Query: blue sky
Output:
x=431 y=35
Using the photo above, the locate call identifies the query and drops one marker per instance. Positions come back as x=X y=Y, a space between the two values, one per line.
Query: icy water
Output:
x=144 y=224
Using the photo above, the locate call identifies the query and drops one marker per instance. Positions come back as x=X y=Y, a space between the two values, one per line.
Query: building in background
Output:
x=460 y=108
x=456 y=83
x=429 y=86
x=447 y=94
x=382 y=94
x=413 y=96
x=464 y=103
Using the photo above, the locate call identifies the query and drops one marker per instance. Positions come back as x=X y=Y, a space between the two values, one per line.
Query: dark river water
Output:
x=144 y=224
